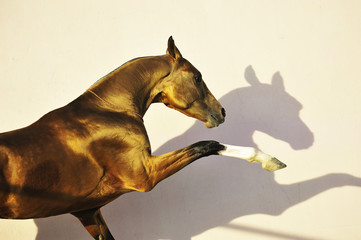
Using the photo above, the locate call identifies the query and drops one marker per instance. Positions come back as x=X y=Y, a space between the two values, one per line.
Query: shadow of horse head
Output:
x=268 y=108
x=212 y=192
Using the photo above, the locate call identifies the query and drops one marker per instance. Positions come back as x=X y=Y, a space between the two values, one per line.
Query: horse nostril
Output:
x=223 y=112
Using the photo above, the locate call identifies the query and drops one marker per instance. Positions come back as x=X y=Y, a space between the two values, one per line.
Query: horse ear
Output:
x=172 y=49
x=277 y=81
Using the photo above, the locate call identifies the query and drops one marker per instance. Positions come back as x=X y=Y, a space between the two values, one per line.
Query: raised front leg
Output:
x=165 y=165
x=94 y=223
x=160 y=167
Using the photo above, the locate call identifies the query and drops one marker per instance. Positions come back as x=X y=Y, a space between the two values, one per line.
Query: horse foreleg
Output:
x=94 y=223
x=165 y=165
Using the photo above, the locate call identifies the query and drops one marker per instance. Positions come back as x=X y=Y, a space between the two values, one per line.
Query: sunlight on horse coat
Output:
x=82 y=156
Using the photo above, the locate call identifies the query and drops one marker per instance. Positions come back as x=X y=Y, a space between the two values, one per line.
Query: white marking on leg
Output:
x=251 y=155
x=246 y=153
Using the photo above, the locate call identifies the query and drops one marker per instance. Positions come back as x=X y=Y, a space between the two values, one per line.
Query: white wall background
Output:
x=262 y=59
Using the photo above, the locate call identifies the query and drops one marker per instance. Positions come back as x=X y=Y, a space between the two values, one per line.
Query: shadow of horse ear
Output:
x=250 y=76
x=277 y=81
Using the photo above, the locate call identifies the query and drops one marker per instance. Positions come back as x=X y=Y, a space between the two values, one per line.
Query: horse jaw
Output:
x=210 y=121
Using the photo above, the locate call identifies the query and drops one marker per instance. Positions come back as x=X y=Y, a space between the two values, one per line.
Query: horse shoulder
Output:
x=123 y=152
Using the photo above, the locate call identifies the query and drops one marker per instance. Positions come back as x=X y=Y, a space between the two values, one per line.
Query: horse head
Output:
x=184 y=90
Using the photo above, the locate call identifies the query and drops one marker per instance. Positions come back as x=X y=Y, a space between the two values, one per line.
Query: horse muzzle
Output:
x=215 y=119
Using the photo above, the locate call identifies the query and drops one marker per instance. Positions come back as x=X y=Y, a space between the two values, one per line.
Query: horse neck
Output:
x=132 y=86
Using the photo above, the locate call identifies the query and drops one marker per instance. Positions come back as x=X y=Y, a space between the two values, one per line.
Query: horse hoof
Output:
x=273 y=164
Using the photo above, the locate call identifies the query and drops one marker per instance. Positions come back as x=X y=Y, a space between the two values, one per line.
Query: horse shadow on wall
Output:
x=213 y=191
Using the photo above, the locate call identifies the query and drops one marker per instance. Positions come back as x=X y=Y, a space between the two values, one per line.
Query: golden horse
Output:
x=84 y=155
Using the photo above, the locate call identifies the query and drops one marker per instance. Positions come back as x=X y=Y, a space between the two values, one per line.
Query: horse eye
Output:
x=198 y=79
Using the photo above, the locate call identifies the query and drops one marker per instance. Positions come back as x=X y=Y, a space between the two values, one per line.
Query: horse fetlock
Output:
x=261 y=157
x=269 y=163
